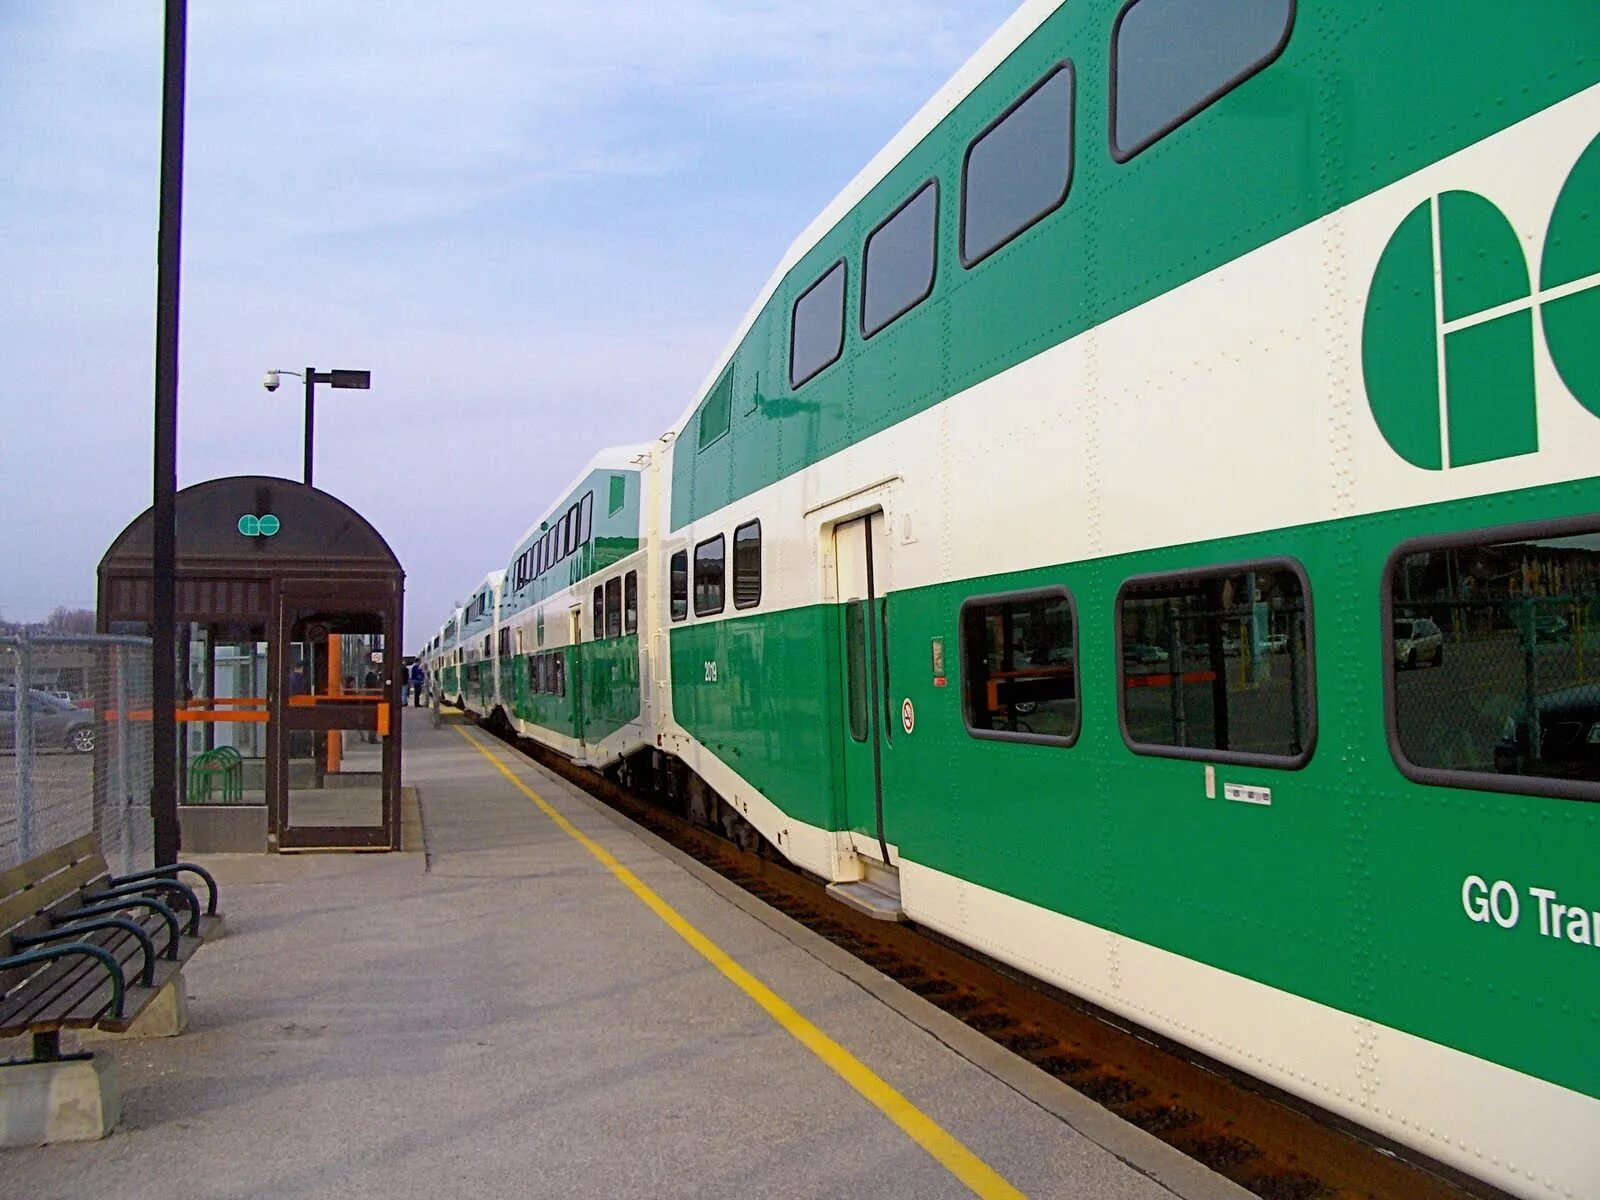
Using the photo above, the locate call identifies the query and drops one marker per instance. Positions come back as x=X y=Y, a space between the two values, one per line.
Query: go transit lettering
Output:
x=1447 y=348
x=1499 y=902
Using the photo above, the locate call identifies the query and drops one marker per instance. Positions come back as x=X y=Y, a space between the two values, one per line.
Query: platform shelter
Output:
x=289 y=610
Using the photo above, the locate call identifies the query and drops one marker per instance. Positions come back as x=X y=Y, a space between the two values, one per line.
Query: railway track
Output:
x=1273 y=1147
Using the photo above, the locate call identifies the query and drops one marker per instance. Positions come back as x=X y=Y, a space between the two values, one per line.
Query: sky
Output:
x=537 y=223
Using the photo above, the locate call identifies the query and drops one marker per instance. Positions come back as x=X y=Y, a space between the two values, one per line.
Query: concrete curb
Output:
x=1140 y=1151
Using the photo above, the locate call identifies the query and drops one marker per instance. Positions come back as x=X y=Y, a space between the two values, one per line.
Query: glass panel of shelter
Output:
x=223 y=713
x=337 y=721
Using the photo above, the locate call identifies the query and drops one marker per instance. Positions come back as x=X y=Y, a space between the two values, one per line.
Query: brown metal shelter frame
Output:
x=323 y=553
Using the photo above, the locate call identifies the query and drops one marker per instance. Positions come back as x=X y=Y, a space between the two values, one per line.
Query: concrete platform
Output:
x=503 y=1017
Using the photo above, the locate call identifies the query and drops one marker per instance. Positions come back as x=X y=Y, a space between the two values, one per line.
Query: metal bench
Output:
x=81 y=948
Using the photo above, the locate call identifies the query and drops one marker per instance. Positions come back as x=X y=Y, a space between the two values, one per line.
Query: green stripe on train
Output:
x=1346 y=890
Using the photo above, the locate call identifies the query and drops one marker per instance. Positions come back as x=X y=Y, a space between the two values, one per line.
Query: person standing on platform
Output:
x=419 y=680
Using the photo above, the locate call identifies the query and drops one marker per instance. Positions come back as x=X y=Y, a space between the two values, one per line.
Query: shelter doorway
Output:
x=336 y=764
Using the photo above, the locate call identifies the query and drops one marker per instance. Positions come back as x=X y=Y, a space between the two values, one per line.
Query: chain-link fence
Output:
x=75 y=750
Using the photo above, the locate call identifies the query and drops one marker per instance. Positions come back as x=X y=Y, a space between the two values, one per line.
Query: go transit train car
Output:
x=567 y=649
x=475 y=645
x=1148 y=530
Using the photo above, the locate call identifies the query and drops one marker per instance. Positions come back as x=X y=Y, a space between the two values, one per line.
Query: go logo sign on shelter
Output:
x=263 y=526
x=1447 y=344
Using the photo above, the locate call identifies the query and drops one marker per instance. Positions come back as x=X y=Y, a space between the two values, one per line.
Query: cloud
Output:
x=536 y=223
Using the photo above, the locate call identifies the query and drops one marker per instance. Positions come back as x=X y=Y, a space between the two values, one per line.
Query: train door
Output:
x=858 y=560
x=575 y=675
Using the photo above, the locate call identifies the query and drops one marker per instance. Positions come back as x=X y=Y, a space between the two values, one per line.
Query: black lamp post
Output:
x=312 y=377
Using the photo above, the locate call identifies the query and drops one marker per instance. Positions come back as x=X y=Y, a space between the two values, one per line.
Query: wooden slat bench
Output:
x=81 y=948
x=85 y=949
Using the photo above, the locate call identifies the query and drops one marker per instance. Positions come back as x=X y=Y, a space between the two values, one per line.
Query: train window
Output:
x=1484 y=648
x=716 y=411
x=898 y=262
x=709 y=563
x=505 y=642
x=619 y=495
x=1019 y=667
x=586 y=519
x=816 y=337
x=1171 y=59
x=1216 y=664
x=1019 y=169
x=747 y=565
x=599 y=613
x=855 y=661
x=679 y=581
x=559 y=673
x=613 y=608
x=630 y=602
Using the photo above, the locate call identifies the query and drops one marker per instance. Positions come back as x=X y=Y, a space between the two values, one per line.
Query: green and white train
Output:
x=1047 y=557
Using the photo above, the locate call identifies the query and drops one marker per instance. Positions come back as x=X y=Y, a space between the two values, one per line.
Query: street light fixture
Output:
x=312 y=377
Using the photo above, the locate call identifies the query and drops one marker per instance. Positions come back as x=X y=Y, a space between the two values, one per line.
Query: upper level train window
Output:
x=1019 y=667
x=717 y=409
x=613 y=608
x=630 y=602
x=747 y=565
x=1216 y=664
x=898 y=263
x=1489 y=649
x=679 y=585
x=619 y=495
x=1170 y=59
x=585 y=518
x=1019 y=169
x=710 y=557
x=817 y=334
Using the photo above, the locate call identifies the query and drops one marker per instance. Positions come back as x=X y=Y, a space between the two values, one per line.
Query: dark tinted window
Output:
x=747 y=565
x=586 y=518
x=613 y=608
x=855 y=659
x=630 y=602
x=1493 y=674
x=1172 y=58
x=1217 y=662
x=715 y=412
x=818 y=327
x=1019 y=667
x=1019 y=169
x=679 y=585
x=599 y=613
x=897 y=272
x=709 y=559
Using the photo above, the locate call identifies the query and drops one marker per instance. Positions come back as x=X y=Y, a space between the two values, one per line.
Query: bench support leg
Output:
x=69 y=1100
x=165 y=1016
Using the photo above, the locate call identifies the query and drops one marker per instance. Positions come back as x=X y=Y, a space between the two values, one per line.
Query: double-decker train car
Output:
x=1148 y=530
x=567 y=646
x=475 y=645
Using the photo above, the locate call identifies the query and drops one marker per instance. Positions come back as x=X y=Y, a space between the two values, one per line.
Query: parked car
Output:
x=1569 y=736
x=1142 y=655
x=1417 y=640
x=57 y=724
x=1549 y=628
x=1274 y=642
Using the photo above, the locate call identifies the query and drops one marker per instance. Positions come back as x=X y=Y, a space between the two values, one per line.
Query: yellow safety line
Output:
x=951 y=1154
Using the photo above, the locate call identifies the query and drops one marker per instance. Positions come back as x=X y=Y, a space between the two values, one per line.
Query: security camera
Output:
x=270 y=381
